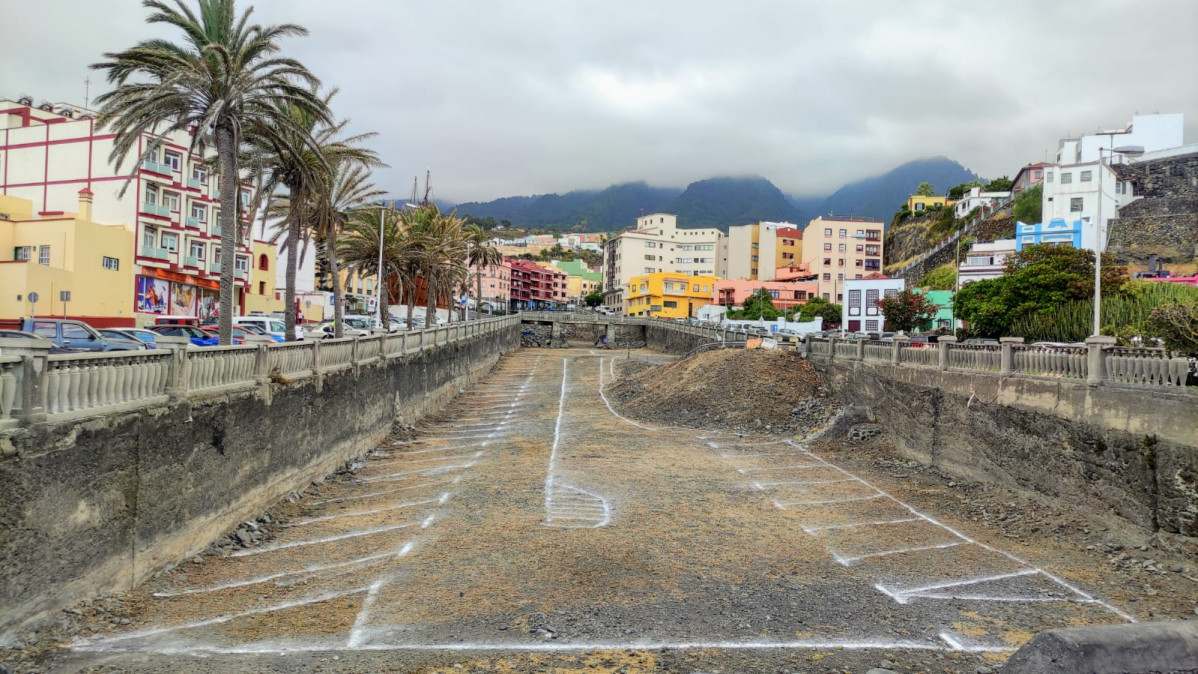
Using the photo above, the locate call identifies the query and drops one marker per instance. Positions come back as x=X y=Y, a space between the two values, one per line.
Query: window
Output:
x=844 y=233
x=1066 y=178
x=1087 y=176
x=871 y=302
x=170 y=241
x=827 y=296
x=199 y=212
x=245 y=198
x=860 y=248
x=650 y=244
x=841 y=248
x=1048 y=176
x=149 y=237
x=827 y=262
x=670 y=304
x=22 y=253
x=196 y=250
x=854 y=303
x=200 y=173
x=827 y=246
x=650 y=257
x=151 y=194
x=173 y=160
x=264 y=261
x=216 y=256
x=871 y=326
x=170 y=200
x=840 y=277
x=774 y=294
x=890 y=293
x=827 y=231
x=74 y=331
x=111 y=263
x=827 y=277
x=43 y=255
x=1075 y=205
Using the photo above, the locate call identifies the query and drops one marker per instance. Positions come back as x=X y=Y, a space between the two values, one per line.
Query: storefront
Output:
x=159 y=292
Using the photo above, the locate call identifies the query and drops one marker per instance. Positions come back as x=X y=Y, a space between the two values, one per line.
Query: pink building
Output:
x=785 y=294
x=497 y=285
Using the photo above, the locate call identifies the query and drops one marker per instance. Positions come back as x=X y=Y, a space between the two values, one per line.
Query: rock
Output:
x=886 y=664
x=243 y=537
x=197 y=560
x=863 y=432
x=877 y=670
x=983 y=670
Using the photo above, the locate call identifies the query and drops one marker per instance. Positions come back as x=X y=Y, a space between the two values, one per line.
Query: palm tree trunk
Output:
x=330 y=256
x=450 y=303
x=293 y=230
x=229 y=221
x=410 y=301
x=478 y=297
x=430 y=311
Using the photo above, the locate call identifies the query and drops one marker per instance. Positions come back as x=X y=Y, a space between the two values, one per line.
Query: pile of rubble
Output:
x=754 y=390
x=543 y=336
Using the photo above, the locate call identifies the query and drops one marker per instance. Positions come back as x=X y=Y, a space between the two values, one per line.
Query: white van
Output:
x=270 y=325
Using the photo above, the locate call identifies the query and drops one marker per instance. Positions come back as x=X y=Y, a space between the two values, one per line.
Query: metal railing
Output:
x=69 y=386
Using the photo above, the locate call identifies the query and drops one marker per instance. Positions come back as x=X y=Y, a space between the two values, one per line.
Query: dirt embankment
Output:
x=750 y=390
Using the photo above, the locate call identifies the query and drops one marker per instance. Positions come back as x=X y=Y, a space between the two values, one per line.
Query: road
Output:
x=531 y=526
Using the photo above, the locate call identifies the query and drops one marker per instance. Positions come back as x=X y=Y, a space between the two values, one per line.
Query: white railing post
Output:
x=896 y=349
x=1006 y=358
x=861 y=348
x=1096 y=346
x=945 y=344
x=262 y=364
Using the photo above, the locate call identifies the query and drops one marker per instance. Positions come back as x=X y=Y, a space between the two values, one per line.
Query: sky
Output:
x=518 y=97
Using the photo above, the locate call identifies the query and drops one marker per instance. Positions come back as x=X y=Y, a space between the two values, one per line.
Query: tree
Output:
x=1176 y=323
x=343 y=198
x=822 y=308
x=907 y=310
x=925 y=189
x=943 y=277
x=480 y=256
x=1035 y=280
x=958 y=191
x=224 y=78
x=759 y=305
x=301 y=164
x=1002 y=184
x=1028 y=205
x=593 y=300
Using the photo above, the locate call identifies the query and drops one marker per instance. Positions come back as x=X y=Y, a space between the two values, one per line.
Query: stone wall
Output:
x=1126 y=451
x=94 y=506
x=669 y=339
x=1164 y=220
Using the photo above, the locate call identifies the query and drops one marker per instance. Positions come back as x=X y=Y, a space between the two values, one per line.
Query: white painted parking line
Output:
x=318 y=541
x=372 y=494
x=853 y=525
x=850 y=560
x=850 y=499
x=358 y=513
x=390 y=477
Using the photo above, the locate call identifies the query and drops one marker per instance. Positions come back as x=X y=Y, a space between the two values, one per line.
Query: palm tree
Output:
x=224 y=77
x=481 y=255
x=300 y=163
x=403 y=250
x=347 y=192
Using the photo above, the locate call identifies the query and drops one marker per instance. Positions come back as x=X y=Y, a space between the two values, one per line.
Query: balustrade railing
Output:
x=974 y=357
x=920 y=353
x=1151 y=367
x=1066 y=362
x=879 y=350
x=77 y=384
x=846 y=349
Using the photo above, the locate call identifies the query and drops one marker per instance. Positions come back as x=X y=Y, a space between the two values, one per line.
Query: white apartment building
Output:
x=860 y=312
x=1081 y=186
x=751 y=252
x=985 y=260
x=976 y=198
x=48 y=153
x=657 y=245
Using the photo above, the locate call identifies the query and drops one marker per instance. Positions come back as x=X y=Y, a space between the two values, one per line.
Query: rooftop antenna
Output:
x=415 y=190
x=87 y=86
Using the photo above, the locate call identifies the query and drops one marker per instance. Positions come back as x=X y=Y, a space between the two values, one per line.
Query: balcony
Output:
x=216 y=193
x=155 y=209
x=193 y=262
x=155 y=167
x=216 y=231
x=214 y=268
x=242 y=274
x=194 y=223
x=154 y=252
x=195 y=184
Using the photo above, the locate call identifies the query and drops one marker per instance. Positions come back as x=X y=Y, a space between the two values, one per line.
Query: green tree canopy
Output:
x=758 y=305
x=907 y=310
x=818 y=306
x=925 y=189
x=943 y=277
x=593 y=300
x=1002 y=184
x=1028 y=205
x=1036 y=280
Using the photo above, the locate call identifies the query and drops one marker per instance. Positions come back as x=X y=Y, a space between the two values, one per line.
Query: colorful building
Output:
x=263 y=298
x=580 y=281
x=860 y=312
x=918 y=203
x=943 y=318
x=669 y=294
x=535 y=287
x=52 y=152
x=78 y=268
x=497 y=285
x=753 y=252
x=784 y=295
x=657 y=245
x=841 y=249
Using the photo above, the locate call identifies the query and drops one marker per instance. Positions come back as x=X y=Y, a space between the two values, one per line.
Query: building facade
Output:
x=985 y=260
x=669 y=294
x=839 y=249
x=918 y=203
x=497 y=285
x=860 y=312
x=1028 y=177
x=976 y=198
x=51 y=152
x=785 y=295
x=535 y=287
x=753 y=252
x=78 y=268
x=657 y=245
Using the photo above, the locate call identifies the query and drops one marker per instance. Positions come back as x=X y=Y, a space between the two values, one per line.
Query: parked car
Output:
x=325 y=330
x=76 y=335
x=145 y=337
x=257 y=330
x=982 y=340
x=923 y=341
x=269 y=324
x=21 y=334
x=197 y=336
x=240 y=334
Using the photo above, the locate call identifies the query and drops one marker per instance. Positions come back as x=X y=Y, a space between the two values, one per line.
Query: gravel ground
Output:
x=530 y=527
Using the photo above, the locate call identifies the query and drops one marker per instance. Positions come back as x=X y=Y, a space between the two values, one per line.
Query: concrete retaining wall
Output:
x=665 y=338
x=96 y=506
x=1130 y=451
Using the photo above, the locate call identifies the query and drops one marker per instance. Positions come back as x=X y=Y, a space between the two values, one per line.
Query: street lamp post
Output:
x=1127 y=151
x=378 y=282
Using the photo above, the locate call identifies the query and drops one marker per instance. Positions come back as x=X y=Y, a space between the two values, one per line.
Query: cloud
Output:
x=532 y=96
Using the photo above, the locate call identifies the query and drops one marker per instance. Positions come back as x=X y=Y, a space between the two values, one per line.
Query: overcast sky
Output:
x=525 y=97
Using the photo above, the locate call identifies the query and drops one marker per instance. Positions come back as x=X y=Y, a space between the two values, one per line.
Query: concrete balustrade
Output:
x=1099 y=362
x=69 y=386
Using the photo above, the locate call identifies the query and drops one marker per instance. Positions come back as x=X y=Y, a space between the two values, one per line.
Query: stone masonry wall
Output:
x=1124 y=451
x=97 y=505
x=1164 y=221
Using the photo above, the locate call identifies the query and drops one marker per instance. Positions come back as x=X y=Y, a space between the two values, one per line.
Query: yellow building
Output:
x=54 y=253
x=669 y=295
x=261 y=297
x=918 y=203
